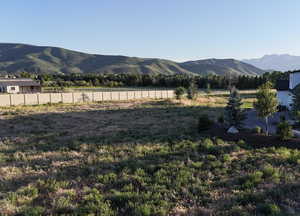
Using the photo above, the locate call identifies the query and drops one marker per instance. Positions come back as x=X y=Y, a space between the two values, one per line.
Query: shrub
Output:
x=269 y=209
x=204 y=123
x=284 y=130
x=33 y=211
x=192 y=91
x=94 y=204
x=271 y=173
x=251 y=180
x=257 y=130
x=179 y=92
x=63 y=204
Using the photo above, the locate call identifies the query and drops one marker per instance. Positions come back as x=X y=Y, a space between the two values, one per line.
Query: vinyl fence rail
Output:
x=79 y=97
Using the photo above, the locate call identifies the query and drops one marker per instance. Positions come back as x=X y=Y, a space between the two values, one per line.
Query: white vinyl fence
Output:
x=78 y=97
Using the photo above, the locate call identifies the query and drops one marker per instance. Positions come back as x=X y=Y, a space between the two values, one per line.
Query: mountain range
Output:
x=284 y=62
x=17 y=58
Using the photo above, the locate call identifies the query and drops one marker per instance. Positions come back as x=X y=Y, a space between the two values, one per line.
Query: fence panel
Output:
x=114 y=95
x=31 y=99
x=97 y=96
x=123 y=96
x=55 y=97
x=4 y=100
x=17 y=99
x=44 y=98
x=152 y=94
x=77 y=97
x=67 y=97
x=87 y=96
x=106 y=96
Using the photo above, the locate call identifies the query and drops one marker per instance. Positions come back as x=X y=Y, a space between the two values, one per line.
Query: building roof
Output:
x=296 y=71
x=19 y=82
x=282 y=85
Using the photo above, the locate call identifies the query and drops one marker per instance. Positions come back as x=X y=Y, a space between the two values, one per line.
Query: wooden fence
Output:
x=79 y=97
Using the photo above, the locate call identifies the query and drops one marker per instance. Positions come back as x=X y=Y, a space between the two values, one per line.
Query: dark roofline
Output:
x=19 y=82
x=282 y=85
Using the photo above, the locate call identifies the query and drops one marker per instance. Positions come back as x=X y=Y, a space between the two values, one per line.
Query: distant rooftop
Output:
x=19 y=82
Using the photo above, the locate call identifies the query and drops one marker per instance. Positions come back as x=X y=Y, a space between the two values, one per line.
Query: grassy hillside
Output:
x=139 y=158
x=221 y=67
x=16 y=58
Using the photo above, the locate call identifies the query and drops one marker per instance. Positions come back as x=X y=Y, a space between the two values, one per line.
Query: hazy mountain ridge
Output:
x=221 y=67
x=283 y=62
x=16 y=58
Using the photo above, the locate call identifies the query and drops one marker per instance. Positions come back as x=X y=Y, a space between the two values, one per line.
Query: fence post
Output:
x=73 y=100
x=61 y=97
x=50 y=97
x=24 y=99
x=10 y=102
x=119 y=96
x=38 y=98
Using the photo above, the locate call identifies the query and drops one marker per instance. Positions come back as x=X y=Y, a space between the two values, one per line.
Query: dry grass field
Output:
x=138 y=158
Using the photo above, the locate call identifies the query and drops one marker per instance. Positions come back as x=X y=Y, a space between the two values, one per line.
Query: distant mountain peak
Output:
x=280 y=62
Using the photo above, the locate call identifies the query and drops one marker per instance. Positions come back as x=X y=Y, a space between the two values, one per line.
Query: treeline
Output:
x=147 y=80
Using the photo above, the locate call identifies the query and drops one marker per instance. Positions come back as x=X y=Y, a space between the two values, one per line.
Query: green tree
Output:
x=192 y=91
x=179 y=92
x=266 y=103
x=208 y=88
x=234 y=114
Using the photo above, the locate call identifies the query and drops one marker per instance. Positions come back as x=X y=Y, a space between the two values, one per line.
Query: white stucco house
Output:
x=285 y=89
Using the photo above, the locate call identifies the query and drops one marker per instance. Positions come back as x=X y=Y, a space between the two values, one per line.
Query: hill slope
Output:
x=221 y=67
x=283 y=62
x=16 y=58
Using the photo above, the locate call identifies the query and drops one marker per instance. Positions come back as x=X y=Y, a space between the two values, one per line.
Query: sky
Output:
x=179 y=30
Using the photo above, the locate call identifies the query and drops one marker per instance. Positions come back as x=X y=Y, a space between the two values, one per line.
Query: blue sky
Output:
x=172 y=29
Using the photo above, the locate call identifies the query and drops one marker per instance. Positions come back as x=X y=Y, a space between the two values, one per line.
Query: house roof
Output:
x=19 y=82
x=296 y=71
x=282 y=85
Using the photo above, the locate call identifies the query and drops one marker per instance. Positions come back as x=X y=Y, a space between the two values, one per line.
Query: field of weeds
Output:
x=138 y=158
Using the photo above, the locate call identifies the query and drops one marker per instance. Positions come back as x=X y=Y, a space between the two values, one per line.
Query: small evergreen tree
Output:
x=284 y=130
x=234 y=114
x=192 y=91
x=179 y=92
x=266 y=103
x=208 y=88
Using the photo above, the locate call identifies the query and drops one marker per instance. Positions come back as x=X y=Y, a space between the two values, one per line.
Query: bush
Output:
x=179 y=92
x=271 y=173
x=257 y=130
x=204 y=123
x=192 y=91
x=33 y=211
x=269 y=209
x=284 y=130
x=94 y=204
